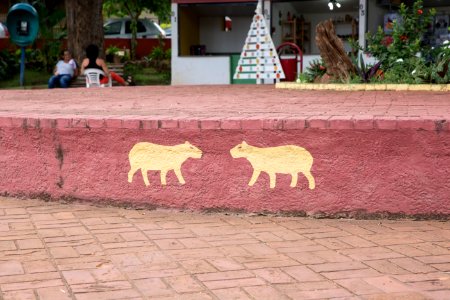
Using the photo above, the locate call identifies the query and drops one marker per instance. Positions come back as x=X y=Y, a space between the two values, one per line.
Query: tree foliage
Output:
x=134 y=9
x=51 y=13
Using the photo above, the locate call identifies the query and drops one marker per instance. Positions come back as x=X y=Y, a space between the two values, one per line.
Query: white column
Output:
x=174 y=38
x=267 y=12
x=174 y=24
x=267 y=15
x=362 y=23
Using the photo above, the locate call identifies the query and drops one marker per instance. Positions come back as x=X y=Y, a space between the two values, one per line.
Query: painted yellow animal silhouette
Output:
x=148 y=156
x=288 y=159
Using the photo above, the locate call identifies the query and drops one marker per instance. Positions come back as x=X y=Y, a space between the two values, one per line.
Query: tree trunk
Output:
x=134 y=21
x=134 y=10
x=84 y=26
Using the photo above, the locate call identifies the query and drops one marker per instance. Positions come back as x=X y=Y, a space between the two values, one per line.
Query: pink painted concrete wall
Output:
x=397 y=171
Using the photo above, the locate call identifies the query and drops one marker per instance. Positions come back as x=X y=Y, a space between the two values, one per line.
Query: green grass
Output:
x=147 y=75
x=32 y=80
x=38 y=79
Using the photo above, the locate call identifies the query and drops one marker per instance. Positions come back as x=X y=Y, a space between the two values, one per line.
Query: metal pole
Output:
x=22 y=65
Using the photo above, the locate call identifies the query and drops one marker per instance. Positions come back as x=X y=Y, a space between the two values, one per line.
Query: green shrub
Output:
x=34 y=59
x=157 y=54
x=160 y=59
x=43 y=59
x=315 y=70
x=112 y=50
x=51 y=52
x=168 y=54
x=404 y=55
x=9 y=65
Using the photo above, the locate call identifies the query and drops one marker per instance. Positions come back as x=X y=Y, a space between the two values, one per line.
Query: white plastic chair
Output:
x=93 y=78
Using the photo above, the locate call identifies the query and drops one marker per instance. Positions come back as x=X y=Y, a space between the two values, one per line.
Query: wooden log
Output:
x=339 y=65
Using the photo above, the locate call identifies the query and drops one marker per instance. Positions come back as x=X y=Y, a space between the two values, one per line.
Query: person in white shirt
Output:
x=65 y=70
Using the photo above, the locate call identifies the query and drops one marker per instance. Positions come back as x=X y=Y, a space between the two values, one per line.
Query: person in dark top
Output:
x=93 y=61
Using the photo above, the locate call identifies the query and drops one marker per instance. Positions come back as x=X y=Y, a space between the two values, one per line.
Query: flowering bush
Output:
x=315 y=70
x=404 y=56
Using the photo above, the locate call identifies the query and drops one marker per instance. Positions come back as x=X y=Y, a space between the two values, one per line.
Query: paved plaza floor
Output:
x=52 y=250
x=222 y=102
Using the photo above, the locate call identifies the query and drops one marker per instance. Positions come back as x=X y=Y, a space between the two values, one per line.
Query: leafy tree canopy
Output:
x=134 y=8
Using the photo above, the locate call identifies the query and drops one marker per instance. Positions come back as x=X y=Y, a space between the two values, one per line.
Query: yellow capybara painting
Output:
x=148 y=156
x=288 y=159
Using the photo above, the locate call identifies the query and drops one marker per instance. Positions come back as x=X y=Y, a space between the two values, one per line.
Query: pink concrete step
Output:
x=354 y=152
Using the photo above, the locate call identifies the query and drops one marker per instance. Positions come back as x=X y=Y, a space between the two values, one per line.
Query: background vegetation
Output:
x=55 y=25
x=403 y=56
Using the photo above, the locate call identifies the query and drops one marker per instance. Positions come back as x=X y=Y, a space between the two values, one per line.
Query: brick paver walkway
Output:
x=231 y=101
x=53 y=251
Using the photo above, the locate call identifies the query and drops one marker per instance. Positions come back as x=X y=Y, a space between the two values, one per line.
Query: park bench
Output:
x=80 y=81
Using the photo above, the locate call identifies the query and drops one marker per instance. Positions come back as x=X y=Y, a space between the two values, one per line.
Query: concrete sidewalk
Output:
x=50 y=250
